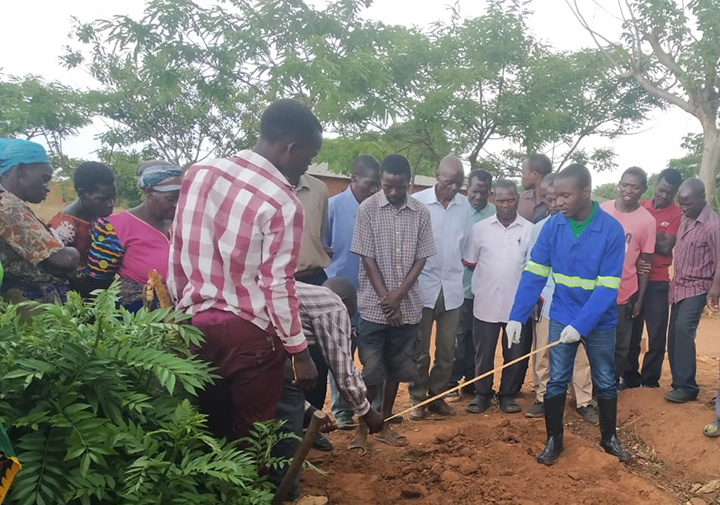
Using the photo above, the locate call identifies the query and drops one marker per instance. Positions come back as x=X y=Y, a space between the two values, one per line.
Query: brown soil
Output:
x=491 y=458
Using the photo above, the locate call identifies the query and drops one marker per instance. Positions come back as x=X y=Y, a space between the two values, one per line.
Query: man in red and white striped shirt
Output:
x=696 y=257
x=233 y=255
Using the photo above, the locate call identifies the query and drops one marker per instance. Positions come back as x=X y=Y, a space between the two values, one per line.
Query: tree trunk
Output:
x=710 y=161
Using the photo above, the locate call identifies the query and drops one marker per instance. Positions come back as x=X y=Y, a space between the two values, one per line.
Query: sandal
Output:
x=392 y=438
x=358 y=444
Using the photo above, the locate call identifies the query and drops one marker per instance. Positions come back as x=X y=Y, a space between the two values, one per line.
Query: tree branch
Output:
x=664 y=94
x=666 y=59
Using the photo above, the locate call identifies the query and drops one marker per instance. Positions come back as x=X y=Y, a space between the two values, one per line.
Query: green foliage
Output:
x=672 y=50
x=608 y=191
x=49 y=112
x=189 y=81
x=173 y=80
x=96 y=400
x=689 y=165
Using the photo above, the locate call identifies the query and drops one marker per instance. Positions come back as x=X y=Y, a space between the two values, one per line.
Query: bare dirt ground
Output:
x=477 y=459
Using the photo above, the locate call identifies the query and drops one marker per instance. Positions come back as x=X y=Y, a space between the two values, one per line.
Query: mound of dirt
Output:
x=471 y=459
x=490 y=460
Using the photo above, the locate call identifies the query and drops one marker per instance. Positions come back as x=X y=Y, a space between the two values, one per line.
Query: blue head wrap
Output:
x=13 y=152
x=152 y=174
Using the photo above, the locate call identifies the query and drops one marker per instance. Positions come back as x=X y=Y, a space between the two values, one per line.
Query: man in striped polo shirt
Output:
x=696 y=253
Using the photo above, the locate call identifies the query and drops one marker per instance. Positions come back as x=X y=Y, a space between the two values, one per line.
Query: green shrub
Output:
x=97 y=404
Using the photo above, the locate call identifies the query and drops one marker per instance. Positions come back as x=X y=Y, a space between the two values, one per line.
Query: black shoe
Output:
x=440 y=408
x=554 y=409
x=508 y=405
x=321 y=443
x=396 y=420
x=631 y=380
x=608 y=428
x=469 y=390
x=536 y=410
x=479 y=405
x=680 y=396
x=589 y=414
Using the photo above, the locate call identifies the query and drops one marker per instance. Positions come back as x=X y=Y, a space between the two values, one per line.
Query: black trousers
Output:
x=290 y=409
x=485 y=338
x=654 y=315
x=684 y=320
x=316 y=396
x=464 y=364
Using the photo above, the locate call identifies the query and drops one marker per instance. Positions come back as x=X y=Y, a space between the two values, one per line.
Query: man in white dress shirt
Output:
x=441 y=283
x=496 y=249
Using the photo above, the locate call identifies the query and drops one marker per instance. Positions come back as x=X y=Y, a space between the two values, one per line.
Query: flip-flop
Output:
x=392 y=439
x=358 y=447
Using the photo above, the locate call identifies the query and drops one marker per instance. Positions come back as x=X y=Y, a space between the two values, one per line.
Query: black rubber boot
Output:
x=554 y=409
x=608 y=428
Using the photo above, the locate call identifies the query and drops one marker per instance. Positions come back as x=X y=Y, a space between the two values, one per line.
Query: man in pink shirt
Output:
x=639 y=227
x=656 y=305
x=233 y=254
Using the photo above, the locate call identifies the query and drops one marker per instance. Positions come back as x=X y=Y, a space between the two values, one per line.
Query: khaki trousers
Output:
x=434 y=381
x=581 y=386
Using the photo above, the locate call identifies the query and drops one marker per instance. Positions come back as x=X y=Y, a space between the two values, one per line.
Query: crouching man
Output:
x=325 y=313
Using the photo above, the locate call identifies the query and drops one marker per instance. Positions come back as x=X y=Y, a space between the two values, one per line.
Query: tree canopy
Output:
x=188 y=80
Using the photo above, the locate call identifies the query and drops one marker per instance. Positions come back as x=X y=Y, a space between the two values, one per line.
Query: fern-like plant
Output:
x=96 y=400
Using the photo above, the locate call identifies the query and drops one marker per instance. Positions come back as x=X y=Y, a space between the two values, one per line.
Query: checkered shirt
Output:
x=696 y=253
x=394 y=238
x=325 y=322
x=235 y=243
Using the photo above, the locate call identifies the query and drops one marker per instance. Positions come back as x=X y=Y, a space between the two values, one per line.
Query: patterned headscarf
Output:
x=13 y=152
x=156 y=174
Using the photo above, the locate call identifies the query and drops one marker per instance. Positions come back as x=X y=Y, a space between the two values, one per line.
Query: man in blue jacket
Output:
x=583 y=248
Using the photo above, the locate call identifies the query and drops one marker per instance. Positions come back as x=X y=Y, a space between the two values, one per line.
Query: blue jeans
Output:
x=600 y=348
x=339 y=406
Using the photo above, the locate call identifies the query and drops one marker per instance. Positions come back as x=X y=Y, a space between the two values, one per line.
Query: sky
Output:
x=34 y=32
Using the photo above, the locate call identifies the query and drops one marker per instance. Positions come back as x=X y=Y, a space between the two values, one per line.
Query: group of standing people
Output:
x=286 y=283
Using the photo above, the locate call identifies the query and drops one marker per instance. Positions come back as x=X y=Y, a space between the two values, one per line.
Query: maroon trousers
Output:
x=250 y=363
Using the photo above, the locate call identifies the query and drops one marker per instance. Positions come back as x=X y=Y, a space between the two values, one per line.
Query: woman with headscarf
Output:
x=36 y=263
x=132 y=243
x=95 y=187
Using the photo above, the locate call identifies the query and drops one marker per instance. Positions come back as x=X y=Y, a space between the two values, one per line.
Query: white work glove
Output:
x=569 y=335
x=513 y=330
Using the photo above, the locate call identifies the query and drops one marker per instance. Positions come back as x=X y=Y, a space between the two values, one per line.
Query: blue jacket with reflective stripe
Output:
x=587 y=273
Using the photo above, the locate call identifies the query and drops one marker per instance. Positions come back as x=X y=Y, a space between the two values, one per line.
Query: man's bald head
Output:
x=450 y=177
x=345 y=290
x=693 y=186
x=691 y=197
x=452 y=163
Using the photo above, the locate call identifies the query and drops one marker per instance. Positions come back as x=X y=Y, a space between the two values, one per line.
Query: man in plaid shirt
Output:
x=325 y=313
x=393 y=238
x=233 y=254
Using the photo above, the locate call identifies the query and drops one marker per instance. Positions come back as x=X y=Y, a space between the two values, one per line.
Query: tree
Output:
x=672 y=50
x=608 y=191
x=33 y=109
x=177 y=81
x=187 y=81
x=573 y=96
